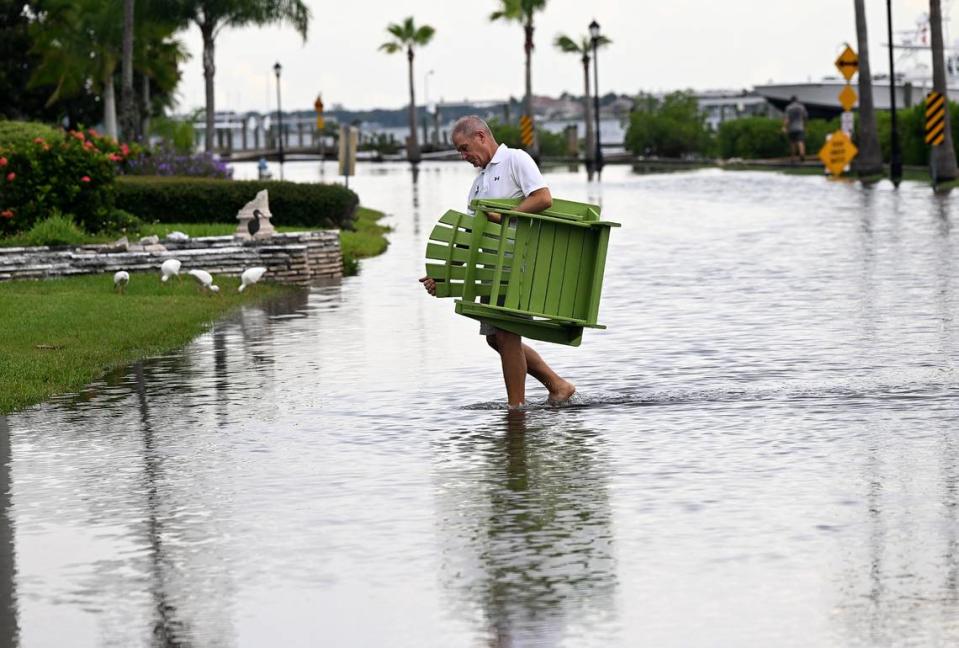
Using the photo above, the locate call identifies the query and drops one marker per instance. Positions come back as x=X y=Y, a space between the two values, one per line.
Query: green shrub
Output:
x=670 y=127
x=17 y=133
x=121 y=222
x=816 y=132
x=752 y=138
x=209 y=200
x=551 y=144
x=55 y=230
x=66 y=172
x=176 y=133
x=911 y=124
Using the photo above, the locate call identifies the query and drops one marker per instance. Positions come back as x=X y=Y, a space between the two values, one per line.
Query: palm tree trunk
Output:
x=590 y=152
x=128 y=109
x=209 y=71
x=412 y=148
x=869 y=160
x=942 y=159
x=145 y=122
x=109 y=105
x=528 y=99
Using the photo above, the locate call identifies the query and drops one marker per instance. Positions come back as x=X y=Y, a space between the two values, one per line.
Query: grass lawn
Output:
x=59 y=334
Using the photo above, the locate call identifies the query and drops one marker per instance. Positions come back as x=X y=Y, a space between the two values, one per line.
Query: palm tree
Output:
x=212 y=16
x=128 y=108
x=942 y=159
x=869 y=160
x=583 y=48
x=522 y=11
x=406 y=36
x=78 y=42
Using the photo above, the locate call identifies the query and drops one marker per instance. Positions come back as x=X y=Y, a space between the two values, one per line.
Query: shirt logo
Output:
x=496 y=179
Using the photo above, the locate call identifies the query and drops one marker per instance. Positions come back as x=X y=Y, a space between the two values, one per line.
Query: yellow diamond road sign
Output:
x=837 y=152
x=847 y=97
x=848 y=63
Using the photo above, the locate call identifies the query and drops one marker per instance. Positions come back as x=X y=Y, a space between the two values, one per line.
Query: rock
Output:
x=120 y=242
x=136 y=247
x=178 y=236
x=154 y=247
x=150 y=240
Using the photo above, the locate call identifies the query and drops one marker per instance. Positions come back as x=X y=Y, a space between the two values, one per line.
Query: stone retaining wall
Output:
x=294 y=258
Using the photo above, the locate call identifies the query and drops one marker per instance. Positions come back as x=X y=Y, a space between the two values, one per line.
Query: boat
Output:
x=912 y=83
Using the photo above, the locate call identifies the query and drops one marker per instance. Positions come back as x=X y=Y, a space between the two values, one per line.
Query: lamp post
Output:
x=594 y=36
x=895 y=159
x=277 y=68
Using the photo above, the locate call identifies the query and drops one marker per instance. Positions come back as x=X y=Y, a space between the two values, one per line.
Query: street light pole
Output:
x=277 y=68
x=895 y=162
x=594 y=35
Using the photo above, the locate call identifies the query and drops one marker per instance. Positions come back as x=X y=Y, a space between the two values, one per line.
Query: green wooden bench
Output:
x=540 y=277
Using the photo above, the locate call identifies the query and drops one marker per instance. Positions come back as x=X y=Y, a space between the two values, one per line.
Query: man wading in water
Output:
x=507 y=173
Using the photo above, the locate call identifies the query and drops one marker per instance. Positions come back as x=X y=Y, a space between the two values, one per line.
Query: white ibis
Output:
x=250 y=276
x=205 y=279
x=120 y=280
x=170 y=268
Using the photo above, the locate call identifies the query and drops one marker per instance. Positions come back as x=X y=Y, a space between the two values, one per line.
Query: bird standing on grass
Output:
x=170 y=268
x=205 y=280
x=250 y=276
x=120 y=280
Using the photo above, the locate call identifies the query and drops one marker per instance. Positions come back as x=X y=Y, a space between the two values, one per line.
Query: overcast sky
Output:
x=657 y=45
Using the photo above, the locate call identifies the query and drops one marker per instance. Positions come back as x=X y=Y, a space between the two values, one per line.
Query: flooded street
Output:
x=763 y=451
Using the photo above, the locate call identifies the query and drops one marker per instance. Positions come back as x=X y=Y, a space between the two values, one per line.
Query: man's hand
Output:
x=430 y=284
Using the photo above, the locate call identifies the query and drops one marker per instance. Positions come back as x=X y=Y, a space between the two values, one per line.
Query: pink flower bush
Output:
x=7 y=213
x=85 y=179
x=11 y=176
x=3 y=161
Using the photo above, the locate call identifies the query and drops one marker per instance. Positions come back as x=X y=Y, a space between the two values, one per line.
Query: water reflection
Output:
x=9 y=625
x=527 y=528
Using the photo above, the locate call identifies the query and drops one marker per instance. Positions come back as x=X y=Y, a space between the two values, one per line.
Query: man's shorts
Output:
x=797 y=136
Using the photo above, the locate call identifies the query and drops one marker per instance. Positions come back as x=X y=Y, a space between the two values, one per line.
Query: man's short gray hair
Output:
x=469 y=125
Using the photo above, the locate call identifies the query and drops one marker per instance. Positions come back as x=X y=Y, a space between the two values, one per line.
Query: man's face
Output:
x=473 y=148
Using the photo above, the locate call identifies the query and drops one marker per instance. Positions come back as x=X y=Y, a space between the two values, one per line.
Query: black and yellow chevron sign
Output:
x=526 y=130
x=935 y=118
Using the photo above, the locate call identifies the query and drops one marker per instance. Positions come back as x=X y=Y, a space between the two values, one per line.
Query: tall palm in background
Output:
x=406 y=37
x=522 y=11
x=869 y=160
x=583 y=47
x=942 y=159
x=212 y=16
x=79 y=43
x=128 y=107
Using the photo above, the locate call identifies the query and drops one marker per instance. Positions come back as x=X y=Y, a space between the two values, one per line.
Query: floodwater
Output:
x=764 y=450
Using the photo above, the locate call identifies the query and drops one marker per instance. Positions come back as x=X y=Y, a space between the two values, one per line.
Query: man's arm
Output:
x=534 y=203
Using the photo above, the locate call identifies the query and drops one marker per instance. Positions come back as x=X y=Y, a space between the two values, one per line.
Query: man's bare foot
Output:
x=562 y=393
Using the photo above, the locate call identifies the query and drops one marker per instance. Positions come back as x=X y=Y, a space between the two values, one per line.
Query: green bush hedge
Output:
x=69 y=173
x=17 y=133
x=210 y=200
x=670 y=127
x=752 y=138
x=551 y=144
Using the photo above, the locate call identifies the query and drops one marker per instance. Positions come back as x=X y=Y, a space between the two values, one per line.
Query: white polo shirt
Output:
x=510 y=174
